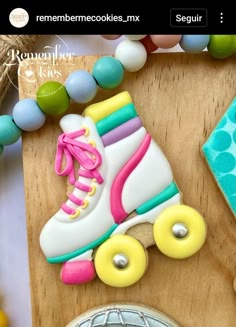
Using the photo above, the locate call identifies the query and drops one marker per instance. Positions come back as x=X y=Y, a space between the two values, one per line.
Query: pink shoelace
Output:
x=88 y=157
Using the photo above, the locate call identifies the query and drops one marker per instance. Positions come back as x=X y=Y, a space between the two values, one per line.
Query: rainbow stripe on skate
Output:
x=115 y=118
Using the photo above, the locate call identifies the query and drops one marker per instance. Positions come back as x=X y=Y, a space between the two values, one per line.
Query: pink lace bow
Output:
x=85 y=154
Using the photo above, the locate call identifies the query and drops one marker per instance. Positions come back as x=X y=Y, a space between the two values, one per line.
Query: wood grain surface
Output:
x=180 y=98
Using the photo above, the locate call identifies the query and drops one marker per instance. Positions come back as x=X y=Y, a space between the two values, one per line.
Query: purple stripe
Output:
x=122 y=131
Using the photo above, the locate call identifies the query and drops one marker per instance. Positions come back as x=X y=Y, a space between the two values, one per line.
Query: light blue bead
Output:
x=81 y=86
x=1 y=149
x=9 y=132
x=194 y=43
x=28 y=116
x=108 y=72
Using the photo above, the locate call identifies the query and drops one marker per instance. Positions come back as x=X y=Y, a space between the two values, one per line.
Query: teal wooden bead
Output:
x=1 y=149
x=9 y=132
x=108 y=72
x=52 y=98
x=28 y=116
x=221 y=46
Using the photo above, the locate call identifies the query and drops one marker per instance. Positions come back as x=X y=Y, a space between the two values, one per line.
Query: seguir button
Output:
x=188 y=17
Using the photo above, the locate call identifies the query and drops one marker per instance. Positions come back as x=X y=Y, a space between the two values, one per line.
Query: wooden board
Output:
x=180 y=98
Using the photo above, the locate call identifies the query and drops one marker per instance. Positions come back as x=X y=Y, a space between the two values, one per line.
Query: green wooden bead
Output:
x=234 y=43
x=1 y=149
x=108 y=72
x=221 y=46
x=9 y=132
x=52 y=98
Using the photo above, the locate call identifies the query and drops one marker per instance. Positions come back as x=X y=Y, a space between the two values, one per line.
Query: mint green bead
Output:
x=9 y=132
x=221 y=46
x=1 y=149
x=108 y=72
x=52 y=98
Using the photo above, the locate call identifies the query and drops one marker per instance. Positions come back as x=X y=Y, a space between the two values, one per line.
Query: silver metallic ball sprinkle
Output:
x=179 y=230
x=120 y=261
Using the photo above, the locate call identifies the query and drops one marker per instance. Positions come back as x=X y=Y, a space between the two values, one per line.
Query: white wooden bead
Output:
x=135 y=37
x=132 y=55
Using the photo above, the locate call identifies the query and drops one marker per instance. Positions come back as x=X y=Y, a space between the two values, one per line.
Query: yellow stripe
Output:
x=100 y=110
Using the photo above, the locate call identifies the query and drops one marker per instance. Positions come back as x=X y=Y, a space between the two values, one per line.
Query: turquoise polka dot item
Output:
x=220 y=153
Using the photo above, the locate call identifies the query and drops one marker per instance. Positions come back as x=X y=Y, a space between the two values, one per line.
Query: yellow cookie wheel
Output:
x=121 y=261
x=179 y=231
x=3 y=319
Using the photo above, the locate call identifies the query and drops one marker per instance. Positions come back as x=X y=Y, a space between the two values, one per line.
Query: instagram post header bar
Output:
x=40 y=20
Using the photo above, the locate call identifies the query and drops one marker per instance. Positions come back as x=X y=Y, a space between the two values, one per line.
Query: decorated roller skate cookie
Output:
x=121 y=171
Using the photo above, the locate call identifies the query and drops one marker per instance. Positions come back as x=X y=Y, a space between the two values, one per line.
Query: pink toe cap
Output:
x=77 y=272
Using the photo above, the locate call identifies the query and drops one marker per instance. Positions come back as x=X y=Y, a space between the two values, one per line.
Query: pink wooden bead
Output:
x=166 y=41
x=111 y=37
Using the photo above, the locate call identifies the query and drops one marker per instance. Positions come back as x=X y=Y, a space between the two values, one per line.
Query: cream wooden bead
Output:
x=131 y=54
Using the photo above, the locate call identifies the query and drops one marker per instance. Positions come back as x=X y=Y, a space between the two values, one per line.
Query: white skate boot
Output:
x=122 y=170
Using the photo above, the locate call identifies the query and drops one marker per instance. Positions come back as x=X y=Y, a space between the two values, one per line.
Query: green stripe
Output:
x=158 y=199
x=116 y=119
x=68 y=256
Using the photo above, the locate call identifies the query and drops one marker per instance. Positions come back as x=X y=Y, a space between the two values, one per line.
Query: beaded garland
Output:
x=54 y=98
